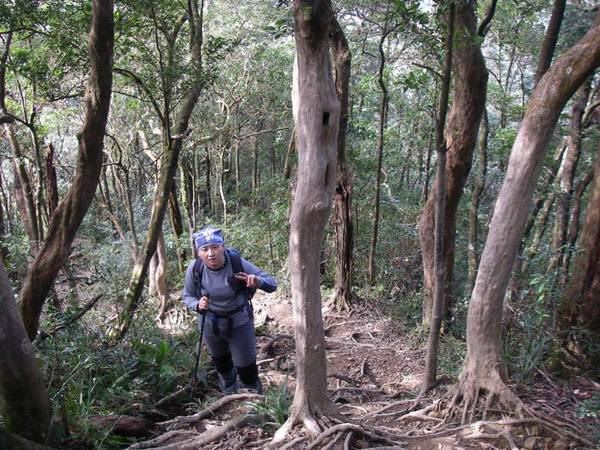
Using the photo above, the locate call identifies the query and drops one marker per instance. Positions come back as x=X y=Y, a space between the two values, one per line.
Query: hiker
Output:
x=220 y=284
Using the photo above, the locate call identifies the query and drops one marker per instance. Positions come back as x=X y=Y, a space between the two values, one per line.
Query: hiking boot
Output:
x=228 y=382
x=255 y=387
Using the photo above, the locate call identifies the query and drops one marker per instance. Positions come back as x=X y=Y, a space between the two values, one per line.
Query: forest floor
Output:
x=374 y=374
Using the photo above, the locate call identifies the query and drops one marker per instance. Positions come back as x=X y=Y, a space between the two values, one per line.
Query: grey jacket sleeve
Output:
x=189 y=296
x=267 y=282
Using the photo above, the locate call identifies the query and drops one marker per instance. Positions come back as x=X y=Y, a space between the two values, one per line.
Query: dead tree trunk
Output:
x=316 y=115
x=65 y=221
x=484 y=369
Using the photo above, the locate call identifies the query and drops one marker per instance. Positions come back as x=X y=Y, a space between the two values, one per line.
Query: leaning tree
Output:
x=67 y=217
x=483 y=370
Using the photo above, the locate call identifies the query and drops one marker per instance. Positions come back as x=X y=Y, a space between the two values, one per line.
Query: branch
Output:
x=69 y=320
x=140 y=83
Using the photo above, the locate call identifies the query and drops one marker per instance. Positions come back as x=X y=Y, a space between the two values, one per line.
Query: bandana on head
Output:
x=207 y=236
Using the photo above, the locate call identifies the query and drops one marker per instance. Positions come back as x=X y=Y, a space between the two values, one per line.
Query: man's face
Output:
x=213 y=255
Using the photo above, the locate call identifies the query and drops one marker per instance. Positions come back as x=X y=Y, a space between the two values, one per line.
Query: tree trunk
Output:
x=342 y=215
x=383 y=112
x=167 y=173
x=23 y=188
x=177 y=225
x=550 y=38
x=478 y=190
x=567 y=177
x=51 y=184
x=580 y=308
x=24 y=402
x=68 y=216
x=316 y=114
x=484 y=368
x=430 y=374
x=470 y=89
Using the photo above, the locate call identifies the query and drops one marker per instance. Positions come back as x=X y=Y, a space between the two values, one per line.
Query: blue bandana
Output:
x=207 y=236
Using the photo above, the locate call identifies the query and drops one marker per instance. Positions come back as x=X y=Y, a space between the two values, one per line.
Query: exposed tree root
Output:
x=182 y=421
x=343 y=429
x=180 y=433
x=191 y=441
x=474 y=387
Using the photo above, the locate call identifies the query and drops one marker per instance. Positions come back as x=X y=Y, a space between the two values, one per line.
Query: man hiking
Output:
x=220 y=284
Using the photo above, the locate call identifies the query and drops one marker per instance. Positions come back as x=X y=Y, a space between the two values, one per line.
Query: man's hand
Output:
x=252 y=281
x=202 y=304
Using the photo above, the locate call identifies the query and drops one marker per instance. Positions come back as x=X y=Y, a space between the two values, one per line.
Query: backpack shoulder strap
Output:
x=197 y=272
x=236 y=260
x=236 y=266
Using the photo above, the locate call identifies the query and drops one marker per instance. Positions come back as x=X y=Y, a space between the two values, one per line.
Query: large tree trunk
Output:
x=484 y=367
x=24 y=402
x=167 y=173
x=342 y=215
x=68 y=216
x=316 y=114
x=470 y=88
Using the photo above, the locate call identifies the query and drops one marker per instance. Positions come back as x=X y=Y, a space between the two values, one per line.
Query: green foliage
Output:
x=274 y=407
x=589 y=408
x=527 y=342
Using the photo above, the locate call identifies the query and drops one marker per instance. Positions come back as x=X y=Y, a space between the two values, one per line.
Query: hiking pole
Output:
x=195 y=375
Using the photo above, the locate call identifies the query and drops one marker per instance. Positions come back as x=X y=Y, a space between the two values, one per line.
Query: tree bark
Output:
x=24 y=402
x=68 y=216
x=316 y=114
x=469 y=95
x=484 y=368
x=342 y=215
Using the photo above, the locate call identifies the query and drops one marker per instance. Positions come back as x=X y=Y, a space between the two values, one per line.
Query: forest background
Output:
x=206 y=104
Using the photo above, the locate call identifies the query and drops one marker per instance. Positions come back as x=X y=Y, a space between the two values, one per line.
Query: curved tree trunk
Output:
x=484 y=367
x=168 y=168
x=342 y=215
x=24 y=402
x=68 y=216
x=470 y=87
x=316 y=114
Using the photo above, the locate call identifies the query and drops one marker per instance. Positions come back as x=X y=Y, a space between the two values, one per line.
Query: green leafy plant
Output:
x=274 y=406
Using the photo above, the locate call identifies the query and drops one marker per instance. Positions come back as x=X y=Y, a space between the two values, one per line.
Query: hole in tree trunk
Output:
x=326 y=118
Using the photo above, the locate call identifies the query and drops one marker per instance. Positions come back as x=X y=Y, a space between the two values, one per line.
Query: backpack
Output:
x=236 y=265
